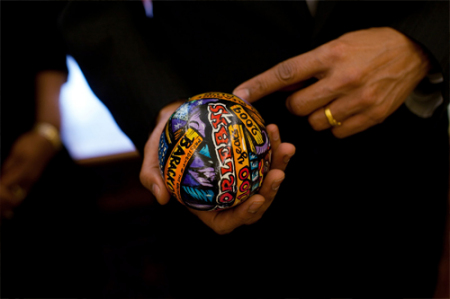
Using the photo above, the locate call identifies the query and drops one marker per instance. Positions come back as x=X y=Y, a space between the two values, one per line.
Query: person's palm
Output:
x=224 y=221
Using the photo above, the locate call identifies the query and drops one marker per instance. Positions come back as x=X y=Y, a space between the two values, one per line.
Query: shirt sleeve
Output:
x=427 y=97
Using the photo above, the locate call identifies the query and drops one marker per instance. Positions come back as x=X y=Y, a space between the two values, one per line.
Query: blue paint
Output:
x=205 y=151
x=162 y=152
x=199 y=194
x=252 y=156
x=255 y=175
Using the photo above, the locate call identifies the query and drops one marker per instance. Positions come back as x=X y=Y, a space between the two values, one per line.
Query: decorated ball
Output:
x=214 y=152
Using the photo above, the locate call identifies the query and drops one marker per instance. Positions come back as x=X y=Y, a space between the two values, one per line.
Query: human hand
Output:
x=362 y=77
x=224 y=221
x=22 y=168
x=150 y=175
x=250 y=211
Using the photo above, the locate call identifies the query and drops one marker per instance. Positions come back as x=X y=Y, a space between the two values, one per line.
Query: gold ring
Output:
x=331 y=119
x=18 y=192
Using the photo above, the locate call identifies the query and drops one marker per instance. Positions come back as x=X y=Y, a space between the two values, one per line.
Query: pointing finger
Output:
x=280 y=76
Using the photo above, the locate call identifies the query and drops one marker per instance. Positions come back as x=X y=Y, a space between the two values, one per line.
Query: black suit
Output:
x=43 y=247
x=350 y=211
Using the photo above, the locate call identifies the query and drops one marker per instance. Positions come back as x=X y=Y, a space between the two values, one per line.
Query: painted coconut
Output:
x=214 y=152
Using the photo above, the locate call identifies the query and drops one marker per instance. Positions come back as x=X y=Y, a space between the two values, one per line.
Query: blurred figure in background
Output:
x=47 y=208
x=362 y=215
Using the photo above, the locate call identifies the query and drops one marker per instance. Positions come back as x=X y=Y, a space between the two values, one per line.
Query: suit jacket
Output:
x=337 y=220
x=176 y=43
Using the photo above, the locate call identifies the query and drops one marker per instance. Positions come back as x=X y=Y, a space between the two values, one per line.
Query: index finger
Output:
x=282 y=75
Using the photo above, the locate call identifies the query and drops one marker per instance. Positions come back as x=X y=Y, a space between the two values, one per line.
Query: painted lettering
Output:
x=220 y=119
x=178 y=160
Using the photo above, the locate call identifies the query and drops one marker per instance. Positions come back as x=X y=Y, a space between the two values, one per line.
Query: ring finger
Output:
x=339 y=110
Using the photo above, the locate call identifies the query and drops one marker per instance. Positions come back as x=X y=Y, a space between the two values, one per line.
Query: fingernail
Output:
x=155 y=190
x=254 y=207
x=277 y=184
x=242 y=93
x=286 y=159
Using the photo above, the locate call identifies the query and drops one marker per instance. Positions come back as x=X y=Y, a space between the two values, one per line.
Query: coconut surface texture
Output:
x=214 y=151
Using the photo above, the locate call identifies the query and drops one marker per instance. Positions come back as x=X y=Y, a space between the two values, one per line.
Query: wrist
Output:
x=49 y=132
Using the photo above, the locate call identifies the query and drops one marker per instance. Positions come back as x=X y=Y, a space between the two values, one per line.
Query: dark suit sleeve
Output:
x=49 y=52
x=126 y=70
x=427 y=23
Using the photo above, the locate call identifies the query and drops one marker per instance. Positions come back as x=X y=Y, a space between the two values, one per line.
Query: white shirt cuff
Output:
x=424 y=100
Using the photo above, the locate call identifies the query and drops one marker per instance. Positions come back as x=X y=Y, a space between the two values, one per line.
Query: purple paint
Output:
x=196 y=123
x=199 y=178
x=190 y=181
x=263 y=148
x=197 y=163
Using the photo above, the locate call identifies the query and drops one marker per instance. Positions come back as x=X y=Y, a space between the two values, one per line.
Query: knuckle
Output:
x=339 y=134
x=254 y=219
x=368 y=98
x=353 y=76
x=285 y=71
x=260 y=86
x=373 y=118
x=334 y=87
x=315 y=124
x=145 y=178
x=350 y=78
x=272 y=196
x=244 y=219
x=336 y=50
x=222 y=231
x=378 y=114
x=297 y=106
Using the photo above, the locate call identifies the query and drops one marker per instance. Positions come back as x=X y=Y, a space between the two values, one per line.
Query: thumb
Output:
x=150 y=174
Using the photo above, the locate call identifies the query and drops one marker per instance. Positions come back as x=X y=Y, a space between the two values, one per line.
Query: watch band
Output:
x=49 y=132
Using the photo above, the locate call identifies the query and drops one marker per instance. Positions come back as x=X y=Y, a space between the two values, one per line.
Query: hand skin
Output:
x=225 y=221
x=362 y=77
x=31 y=152
x=27 y=160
